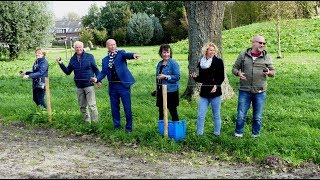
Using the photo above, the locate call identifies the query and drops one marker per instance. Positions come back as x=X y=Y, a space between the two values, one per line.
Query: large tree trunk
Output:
x=205 y=24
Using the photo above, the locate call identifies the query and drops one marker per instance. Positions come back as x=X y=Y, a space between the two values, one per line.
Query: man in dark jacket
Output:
x=84 y=67
x=114 y=66
x=252 y=67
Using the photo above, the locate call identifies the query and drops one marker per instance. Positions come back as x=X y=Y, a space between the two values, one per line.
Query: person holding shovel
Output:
x=168 y=73
x=38 y=74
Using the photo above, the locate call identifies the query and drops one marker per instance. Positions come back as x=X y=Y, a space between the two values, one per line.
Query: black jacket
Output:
x=214 y=75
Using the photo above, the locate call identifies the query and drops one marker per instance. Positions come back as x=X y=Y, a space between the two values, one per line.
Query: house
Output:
x=67 y=30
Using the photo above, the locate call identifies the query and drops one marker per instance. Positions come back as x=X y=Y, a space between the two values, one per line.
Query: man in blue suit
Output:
x=120 y=79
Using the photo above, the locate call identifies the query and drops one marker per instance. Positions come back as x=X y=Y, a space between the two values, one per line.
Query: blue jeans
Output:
x=202 y=110
x=117 y=91
x=244 y=101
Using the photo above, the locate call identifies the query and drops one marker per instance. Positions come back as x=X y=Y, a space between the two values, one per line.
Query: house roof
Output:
x=70 y=26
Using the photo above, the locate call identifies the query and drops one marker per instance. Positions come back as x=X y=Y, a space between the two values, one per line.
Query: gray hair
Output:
x=77 y=43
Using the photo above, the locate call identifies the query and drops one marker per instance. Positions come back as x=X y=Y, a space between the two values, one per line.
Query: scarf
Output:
x=111 y=60
x=205 y=63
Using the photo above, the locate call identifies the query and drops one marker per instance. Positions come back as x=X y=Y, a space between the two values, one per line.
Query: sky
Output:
x=62 y=8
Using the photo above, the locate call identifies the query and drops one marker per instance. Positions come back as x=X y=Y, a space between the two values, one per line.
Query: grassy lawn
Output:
x=290 y=121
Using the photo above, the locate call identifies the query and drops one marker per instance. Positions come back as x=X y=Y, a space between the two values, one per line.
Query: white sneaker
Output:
x=238 y=135
x=88 y=120
x=255 y=135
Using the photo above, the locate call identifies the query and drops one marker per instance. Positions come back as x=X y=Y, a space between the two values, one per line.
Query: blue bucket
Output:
x=176 y=129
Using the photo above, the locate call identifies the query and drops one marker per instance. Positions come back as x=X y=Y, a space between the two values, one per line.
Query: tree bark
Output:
x=317 y=9
x=204 y=24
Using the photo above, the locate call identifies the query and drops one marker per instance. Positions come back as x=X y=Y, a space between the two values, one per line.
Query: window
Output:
x=60 y=30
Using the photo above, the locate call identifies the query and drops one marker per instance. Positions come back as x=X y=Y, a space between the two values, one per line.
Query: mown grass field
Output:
x=290 y=121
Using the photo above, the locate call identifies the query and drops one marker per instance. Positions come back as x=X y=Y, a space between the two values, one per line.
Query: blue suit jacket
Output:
x=120 y=64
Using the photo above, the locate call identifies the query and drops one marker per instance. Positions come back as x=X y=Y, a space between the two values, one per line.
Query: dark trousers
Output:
x=117 y=91
x=173 y=111
x=38 y=97
x=172 y=104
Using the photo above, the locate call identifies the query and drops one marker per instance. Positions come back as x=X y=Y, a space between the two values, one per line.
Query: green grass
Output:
x=298 y=35
x=290 y=120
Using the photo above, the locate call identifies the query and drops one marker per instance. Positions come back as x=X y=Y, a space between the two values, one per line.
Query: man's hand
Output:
x=25 y=76
x=99 y=85
x=136 y=56
x=266 y=71
x=59 y=60
x=241 y=75
x=93 y=80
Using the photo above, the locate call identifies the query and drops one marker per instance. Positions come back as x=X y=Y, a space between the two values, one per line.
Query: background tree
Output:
x=240 y=13
x=228 y=15
x=92 y=19
x=171 y=15
x=305 y=9
x=99 y=37
x=175 y=24
x=205 y=24
x=25 y=25
x=317 y=8
x=281 y=10
x=140 y=28
x=246 y=12
x=115 y=15
x=86 y=35
x=73 y=16
x=157 y=32
x=120 y=34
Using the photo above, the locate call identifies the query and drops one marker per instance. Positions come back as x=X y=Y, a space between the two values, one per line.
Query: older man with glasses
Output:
x=252 y=66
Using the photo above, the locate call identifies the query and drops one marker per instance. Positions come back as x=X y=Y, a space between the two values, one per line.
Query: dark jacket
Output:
x=120 y=65
x=214 y=75
x=39 y=71
x=83 y=69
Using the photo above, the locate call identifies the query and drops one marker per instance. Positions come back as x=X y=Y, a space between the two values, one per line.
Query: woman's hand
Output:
x=193 y=75
x=161 y=76
x=214 y=89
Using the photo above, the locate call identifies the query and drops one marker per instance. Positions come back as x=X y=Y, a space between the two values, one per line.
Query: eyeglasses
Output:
x=264 y=43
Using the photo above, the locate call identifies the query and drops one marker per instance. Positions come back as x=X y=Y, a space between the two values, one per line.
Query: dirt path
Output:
x=46 y=153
